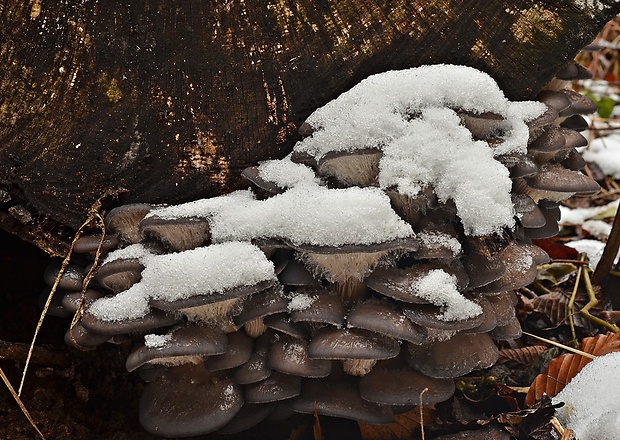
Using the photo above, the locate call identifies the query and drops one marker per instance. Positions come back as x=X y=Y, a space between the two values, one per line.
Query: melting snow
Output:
x=212 y=269
x=440 y=239
x=409 y=115
x=157 y=341
x=439 y=288
x=592 y=408
x=138 y=251
x=605 y=152
x=301 y=301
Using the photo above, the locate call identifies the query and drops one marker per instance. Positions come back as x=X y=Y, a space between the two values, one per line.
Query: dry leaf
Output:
x=524 y=355
x=563 y=368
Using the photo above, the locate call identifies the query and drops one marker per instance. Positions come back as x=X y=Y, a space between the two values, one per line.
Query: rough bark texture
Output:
x=165 y=101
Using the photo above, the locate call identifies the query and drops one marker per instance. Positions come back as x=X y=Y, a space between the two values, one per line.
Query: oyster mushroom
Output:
x=202 y=402
x=124 y=221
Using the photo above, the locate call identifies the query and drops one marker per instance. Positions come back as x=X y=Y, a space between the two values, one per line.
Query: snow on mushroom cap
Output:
x=439 y=288
x=408 y=115
x=181 y=275
x=203 y=208
x=286 y=174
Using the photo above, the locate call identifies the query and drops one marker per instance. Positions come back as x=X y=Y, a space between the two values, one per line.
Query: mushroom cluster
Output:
x=377 y=260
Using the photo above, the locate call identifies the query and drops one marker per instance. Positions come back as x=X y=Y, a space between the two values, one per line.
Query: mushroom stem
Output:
x=346 y=271
x=358 y=367
x=218 y=314
x=255 y=328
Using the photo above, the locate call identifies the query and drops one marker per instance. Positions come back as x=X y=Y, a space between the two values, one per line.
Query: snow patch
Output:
x=157 y=341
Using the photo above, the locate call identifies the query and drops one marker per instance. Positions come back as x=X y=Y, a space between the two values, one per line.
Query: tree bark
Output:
x=166 y=101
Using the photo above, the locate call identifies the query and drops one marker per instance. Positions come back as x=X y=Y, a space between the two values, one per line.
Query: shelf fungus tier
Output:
x=378 y=259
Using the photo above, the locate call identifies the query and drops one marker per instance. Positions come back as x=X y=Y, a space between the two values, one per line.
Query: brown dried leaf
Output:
x=562 y=369
x=523 y=355
x=555 y=306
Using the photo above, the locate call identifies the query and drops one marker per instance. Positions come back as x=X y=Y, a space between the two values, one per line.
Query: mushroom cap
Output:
x=528 y=213
x=520 y=269
x=359 y=167
x=290 y=356
x=462 y=353
x=252 y=175
x=579 y=104
x=551 y=139
x=546 y=118
x=177 y=235
x=385 y=318
x=212 y=297
x=275 y=388
x=84 y=337
x=185 y=342
x=411 y=209
x=154 y=319
x=550 y=229
x=408 y=244
x=326 y=307
x=481 y=125
x=120 y=274
x=297 y=275
x=573 y=138
x=573 y=71
x=280 y=259
x=511 y=330
x=254 y=370
x=573 y=160
x=71 y=279
x=71 y=301
x=90 y=243
x=338 y=398
x=396 y=386
x=282 y=323
x=554 y=177
x=482 y=269
x=187 y=401
x=556 y=100
x=265 y=303
x=426 y=315
x=521 y=166
x=238 y=351
x=333 y=343
x=124 y=220
x=575 y=122
x=396 y=283
x=55 y=308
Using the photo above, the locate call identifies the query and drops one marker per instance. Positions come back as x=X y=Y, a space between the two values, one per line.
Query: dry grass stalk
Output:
x=20 y=403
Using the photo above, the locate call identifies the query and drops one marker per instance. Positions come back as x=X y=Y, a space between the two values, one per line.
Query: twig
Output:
x=422 y=412
x=585 y=311
x=609 y=254
x=565 y=434
x=20 y=403
x=565 y=347
x=571 y=302
x=18 y=352
x=93 y=213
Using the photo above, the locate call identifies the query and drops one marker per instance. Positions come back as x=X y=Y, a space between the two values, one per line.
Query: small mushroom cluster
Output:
x=351 y=278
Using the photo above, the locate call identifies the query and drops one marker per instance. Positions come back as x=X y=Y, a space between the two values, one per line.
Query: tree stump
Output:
x=168 y=101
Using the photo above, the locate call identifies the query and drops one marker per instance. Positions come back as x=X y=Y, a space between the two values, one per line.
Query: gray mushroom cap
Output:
x=527 y=211
x=579 y=104
x=71 y=301
x=556 y=100
x=254 y=370
x=333 y=343
x=84 y=337
x=55 y=307
x=275 y=388
x=326 y=307
x=266 y=303
x=554 y=177
x=124 y=220
x=573 y=160
x=385 y=318
x=573 y=138
x=481 y=125
x=72 y=278
x=550 y=229
x=252 y=175
x=573 y=71
x=522 y=166
x=483 y=269
x=507 y=332
x=90 y=243
x=120 y=274
x=575 y=122
x=462 y=353
x=426 y=315
x=212 y=297
x=193 y=340
x=152 y=320
x=359 y=167
x=338 y=398
x=397 y=386
x=238 y=351
x=177 y=234
x=290 y=356
x=547 y=117
x=187 y=401
x=520 y=269
x=282 y=323
x=297 y=275
x=396 y=283
x=550 y=140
